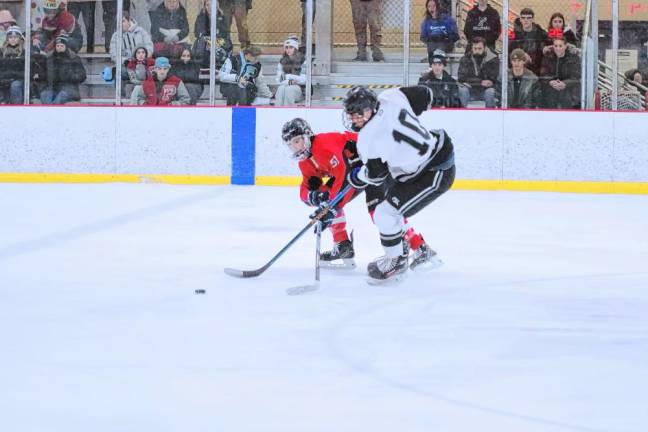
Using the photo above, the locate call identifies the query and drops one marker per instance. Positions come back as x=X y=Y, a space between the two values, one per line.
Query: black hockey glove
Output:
x=351 y=150
x=327 y=215
x=316 y=198
x=353 y=179
x=314 y=183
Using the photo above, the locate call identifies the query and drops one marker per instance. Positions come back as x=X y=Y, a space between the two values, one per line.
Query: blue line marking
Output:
x=243 y=145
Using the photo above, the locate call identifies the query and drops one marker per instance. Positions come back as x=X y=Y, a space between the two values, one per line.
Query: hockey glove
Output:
x=317 y=198
x=314 y=183
x=327 y=215
x=355 y=180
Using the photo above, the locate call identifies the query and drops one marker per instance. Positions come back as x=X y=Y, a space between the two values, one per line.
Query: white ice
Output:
x=538 y=320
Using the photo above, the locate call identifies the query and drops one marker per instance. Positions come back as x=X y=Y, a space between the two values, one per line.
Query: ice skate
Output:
x=341 y=257
x=424 y=259
x=387 y=269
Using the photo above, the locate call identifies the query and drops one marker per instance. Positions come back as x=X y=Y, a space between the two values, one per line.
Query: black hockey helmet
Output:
x=357 y=101
x=294 y=128
x=420 y=98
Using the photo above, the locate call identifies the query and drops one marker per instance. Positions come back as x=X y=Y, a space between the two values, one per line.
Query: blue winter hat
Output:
x=162 y=62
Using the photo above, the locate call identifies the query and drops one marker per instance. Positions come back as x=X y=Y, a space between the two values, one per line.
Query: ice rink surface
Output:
x=538 y=321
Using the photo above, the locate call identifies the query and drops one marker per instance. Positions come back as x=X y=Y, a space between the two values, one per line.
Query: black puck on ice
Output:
x=200 y=291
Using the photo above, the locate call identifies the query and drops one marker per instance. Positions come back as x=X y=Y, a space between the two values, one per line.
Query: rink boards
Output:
x=511 y=150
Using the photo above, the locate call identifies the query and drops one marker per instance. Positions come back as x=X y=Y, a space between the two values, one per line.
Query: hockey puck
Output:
x=200 y=291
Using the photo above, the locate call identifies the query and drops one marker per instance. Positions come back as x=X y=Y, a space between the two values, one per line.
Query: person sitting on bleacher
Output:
x=169 y=27
x=560 y=76
x=530 y=38
x=242 y=82
x=57 y=21
x=12 y=67
x=478 y=72
x=523 y=85
x=291 y=75
x=188 y=70
x=65 y=72
x=162 y=88
x=445 y=90
x=438 y=30
x=202 y=31
x=138 y=69
x=133 y=36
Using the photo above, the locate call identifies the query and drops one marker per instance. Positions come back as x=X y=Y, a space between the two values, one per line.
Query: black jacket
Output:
x=445 y=90
x=472 y=72
x=187 y=72
x=12 y=66
x=566 y=69
x=163 y=18
x=532 y=42
x=486 y=24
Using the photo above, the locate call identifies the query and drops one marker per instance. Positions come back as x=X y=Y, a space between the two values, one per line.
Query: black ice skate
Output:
x=340 y=257
x=387 y=269
x=425 y=259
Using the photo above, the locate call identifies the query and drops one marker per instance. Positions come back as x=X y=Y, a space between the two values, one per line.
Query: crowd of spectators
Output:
x=544 y=64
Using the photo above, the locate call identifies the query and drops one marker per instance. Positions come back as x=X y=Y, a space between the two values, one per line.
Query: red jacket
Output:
x=167 y=91
x=327 y=160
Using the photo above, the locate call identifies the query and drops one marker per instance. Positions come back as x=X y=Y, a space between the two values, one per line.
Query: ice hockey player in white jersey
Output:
x=393 y=144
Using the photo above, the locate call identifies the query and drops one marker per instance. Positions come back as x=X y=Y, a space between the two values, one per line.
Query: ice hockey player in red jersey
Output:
x=324 y=162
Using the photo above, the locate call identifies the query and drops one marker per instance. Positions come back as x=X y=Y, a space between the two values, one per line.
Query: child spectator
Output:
x=58 y=21
x=161 y=88
x=444 y=88
x=241 y=78
x=12 y=67
x=483 y=21
x=291 y=75
x=202 y=31
x=561 y=73
x=133 y=36
x=138 y=69
x=438 y=31
x=478 y=72
x=530 y=38
x=64 y=74
x=523 y=87
x=188 y=70
x=169 y=26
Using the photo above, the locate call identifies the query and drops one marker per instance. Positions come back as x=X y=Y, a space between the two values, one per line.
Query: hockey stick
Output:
x=303 y=289
x=315 y=219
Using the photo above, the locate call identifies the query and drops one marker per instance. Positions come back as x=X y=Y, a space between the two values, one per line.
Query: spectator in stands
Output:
x=202 y=31
x=445 y=90
x=302 y=47
x=57 y=21
x=6 y=20
x=188 y=70
x=367 y=13
x=169 y=27
x=162 y=88
x=86 y=9
x=558 y=27
x=560 y=75
x=291 y=75
x=110 y=18
x=483 y=21
x=133 y=37
x=138 y=69
x=478 y=72
x=237 y=9
x=530 y=38
x=438 y=31
x=634 y=77
x=241 y=78
x=12 y=67
x=64 y=74
x=523 y=86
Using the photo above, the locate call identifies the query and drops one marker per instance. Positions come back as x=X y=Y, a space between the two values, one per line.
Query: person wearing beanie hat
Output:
x=12 y=67
x=291 y=75
x=65 y=72
x=444 y=88
x=523 y=85
x=161 y=88
x=438 y=30
x=58 y=20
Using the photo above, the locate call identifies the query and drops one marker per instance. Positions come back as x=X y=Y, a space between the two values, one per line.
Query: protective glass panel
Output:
x=12 y=55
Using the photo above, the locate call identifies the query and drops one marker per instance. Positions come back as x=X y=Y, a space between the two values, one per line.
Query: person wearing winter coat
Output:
x=12 y=67
x=162 y=88
x=133 y=36
x=530 y=38
x=445 y=90
x=169 y=27
x=188 y=70
x=523 y=85
x=291 y=75
x=202 y=31
x=64 y=74
x=483 y=21
x=57 y=21
x=242 y=82
x=438 y=31
x=138 y=69
x=560 y=75
x=559 y=27
x=478 y=72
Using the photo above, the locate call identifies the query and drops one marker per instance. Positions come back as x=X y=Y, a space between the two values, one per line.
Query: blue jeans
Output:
x=14 y=93
x=51 y=97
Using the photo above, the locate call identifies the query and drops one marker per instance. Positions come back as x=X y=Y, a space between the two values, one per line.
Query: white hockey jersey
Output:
x=395 y=137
